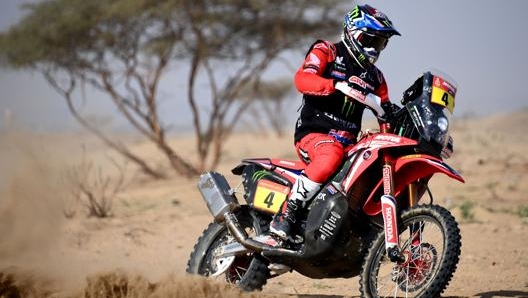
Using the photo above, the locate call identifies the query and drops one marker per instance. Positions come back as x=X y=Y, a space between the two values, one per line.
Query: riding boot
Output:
x=300 y=195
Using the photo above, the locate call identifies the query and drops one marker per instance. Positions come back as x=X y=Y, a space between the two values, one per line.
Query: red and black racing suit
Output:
x=329 y=120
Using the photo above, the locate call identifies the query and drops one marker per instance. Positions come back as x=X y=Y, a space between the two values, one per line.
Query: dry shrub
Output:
x=18 y=285
x=93 y=188
x=120 y=285
x=197 y=286
x=8 y=289
x=117 y=285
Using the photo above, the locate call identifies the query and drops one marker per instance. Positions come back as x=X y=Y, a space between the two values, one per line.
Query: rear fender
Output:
x=266 y=185
x=406 y=170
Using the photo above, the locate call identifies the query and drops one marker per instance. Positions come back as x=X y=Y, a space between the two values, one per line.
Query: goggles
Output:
x=370 y=40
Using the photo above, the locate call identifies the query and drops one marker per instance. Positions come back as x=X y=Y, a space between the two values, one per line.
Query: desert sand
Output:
x=49 y=247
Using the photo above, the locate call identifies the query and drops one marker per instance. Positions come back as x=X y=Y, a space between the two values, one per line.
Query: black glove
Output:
x=390 y=108
x=390 y=112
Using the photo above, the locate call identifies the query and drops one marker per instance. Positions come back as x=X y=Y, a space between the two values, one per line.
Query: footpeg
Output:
x=279 y=269
x=267 y=239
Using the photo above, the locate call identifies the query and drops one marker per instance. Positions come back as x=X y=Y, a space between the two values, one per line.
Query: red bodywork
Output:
x=405 y=169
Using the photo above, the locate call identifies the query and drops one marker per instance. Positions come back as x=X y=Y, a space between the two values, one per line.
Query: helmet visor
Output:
x=369 y=40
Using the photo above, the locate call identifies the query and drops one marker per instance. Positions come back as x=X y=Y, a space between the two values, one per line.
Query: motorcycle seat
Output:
x=293 y=165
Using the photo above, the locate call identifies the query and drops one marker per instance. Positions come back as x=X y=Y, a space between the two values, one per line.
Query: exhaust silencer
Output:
x=217 y=194
x=221 y=202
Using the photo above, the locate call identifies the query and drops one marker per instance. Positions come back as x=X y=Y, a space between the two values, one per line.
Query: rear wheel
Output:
x=430 y=242
x=248 y=271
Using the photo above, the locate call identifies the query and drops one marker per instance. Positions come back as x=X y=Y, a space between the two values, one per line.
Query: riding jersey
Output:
x=324 y=108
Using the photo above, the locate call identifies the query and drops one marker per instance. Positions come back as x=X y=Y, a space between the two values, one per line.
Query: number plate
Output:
x=270 y=195
x=443 y=93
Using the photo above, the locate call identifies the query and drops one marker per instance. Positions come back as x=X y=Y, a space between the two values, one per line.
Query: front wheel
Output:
x=431 y=243
x=249 y=271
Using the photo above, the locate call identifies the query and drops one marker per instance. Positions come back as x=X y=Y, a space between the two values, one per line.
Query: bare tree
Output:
x=268 y=110
x=123 y=47
x=272 y=103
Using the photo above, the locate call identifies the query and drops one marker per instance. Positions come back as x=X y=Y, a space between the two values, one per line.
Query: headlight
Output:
x=443 y=124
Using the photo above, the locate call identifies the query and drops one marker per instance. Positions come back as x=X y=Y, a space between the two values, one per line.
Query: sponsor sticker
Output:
x=338 y=74
x=387 y=183
x=360 y=82
x=270 y=195
x=443 y=93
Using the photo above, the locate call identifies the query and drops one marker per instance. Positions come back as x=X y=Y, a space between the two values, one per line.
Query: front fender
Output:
x=406 y=170
x=411 y=167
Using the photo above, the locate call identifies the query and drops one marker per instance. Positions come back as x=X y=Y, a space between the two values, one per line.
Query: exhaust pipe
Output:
x=266 y=250
x=241 y=236
x=222 y=202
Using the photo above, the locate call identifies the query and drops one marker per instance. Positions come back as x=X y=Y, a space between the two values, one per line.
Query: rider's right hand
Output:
x=390 y=112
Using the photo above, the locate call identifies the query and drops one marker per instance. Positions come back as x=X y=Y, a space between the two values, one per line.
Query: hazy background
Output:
x=480 y=43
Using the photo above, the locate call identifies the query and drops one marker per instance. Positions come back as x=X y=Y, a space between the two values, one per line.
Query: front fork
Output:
x=389 y=208
x=390 y=218
x=390 y=222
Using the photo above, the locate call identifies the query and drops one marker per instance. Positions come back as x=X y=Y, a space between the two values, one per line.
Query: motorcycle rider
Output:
x=338 y=81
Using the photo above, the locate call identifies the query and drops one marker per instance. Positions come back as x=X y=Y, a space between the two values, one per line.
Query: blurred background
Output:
x=52 y=165
x=480 y=43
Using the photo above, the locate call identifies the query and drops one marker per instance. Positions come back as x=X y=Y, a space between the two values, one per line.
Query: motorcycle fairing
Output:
x=407 y=169
x=328 y=250
x=370 y=145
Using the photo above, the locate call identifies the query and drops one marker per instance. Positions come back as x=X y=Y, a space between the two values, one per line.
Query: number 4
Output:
x=445 y=99
x=269 y=199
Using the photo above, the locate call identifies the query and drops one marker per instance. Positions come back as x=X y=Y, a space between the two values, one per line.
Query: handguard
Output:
x=370 y=100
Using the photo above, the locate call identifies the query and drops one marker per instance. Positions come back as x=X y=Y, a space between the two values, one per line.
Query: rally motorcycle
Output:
x=377 y=202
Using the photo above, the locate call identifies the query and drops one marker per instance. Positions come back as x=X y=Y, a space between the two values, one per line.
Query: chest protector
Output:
x=335 y=111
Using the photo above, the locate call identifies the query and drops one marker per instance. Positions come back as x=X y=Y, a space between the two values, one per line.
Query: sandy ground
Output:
x=49 y=247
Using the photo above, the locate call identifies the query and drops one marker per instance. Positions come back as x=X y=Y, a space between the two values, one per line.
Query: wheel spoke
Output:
x=210 y=254
x=421 y=246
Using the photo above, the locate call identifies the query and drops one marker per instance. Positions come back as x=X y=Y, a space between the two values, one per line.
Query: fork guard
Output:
x=408 y=169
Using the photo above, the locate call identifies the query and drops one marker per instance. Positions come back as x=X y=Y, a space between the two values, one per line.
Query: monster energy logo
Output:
x=354 y=13
x=361 y=58
x=259 y=175
x=348 y=107
x=351 y=15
